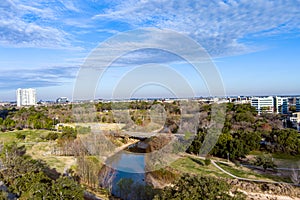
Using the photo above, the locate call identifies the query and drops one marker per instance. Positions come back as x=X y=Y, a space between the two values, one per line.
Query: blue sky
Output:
x=255 y=45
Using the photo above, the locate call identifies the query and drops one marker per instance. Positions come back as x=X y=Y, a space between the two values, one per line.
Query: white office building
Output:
x=263 y=104
x=26 y=97
x=281 y=105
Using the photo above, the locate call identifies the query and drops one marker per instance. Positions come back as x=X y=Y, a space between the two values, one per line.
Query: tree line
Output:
x=245 y=131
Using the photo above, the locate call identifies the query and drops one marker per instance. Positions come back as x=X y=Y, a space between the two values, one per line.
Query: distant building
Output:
x=62 y=100
x=263 y=104
x=4 y=103
x=285 y=107
x=295 y=117
x=281 y=105
x=239 y=100
x=298 y=105
x=292 y=101
x=26 y=97
x=295 y=120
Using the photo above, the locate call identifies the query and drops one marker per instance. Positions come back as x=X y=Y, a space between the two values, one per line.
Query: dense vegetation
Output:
x=245 y=131
x=40 y=117
x=26 y=178
x=198 y=187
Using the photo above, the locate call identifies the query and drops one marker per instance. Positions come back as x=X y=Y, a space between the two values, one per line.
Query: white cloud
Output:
x=69 y=5
x=11 y=78
x=29 y=25
x=217 y=25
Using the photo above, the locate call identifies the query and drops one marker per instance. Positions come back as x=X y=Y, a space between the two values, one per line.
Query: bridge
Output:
x=138 y=135
x=141 y=135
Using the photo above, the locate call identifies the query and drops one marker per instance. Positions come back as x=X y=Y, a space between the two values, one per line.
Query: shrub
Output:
x=20 y=136
x=207 y=161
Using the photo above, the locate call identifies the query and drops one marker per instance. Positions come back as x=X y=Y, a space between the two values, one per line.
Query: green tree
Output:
x=51 y=136
x=286 y=141
x=32 y=179
x=66 y=188
x=197 y=187
x=68 y=133
x=32 y=185
x=265 y=161
x=292 y=108
x=238 y=144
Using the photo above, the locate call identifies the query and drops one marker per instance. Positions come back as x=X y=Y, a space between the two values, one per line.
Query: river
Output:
x=129 y=174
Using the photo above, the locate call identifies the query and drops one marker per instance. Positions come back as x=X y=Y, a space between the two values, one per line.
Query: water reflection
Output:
x=128 y=170
x=127 y=162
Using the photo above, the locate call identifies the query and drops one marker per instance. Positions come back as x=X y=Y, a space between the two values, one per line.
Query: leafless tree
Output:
x=295 y=174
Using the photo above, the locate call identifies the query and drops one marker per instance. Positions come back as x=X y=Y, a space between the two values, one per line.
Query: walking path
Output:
x=247 y=179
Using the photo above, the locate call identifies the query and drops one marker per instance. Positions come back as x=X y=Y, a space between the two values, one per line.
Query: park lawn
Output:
x=256 y=153
x=195 y=166
x=281 y=160
x=32 y=136
x=244 y=172
x=286 y=161
x=37 y=148
x=98 y=126
x=8 y=137
x=42 y=151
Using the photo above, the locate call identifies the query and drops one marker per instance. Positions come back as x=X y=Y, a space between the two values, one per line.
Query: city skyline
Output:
x=254 y=45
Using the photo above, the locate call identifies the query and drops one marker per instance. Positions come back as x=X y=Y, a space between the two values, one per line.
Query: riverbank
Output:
x=121 y=148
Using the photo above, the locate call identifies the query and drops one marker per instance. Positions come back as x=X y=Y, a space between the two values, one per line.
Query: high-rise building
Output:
x=263 y=104
x=298 y=105
x=285 y=106
x=26 y=97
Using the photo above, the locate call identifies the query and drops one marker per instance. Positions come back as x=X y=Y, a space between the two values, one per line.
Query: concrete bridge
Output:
x=138 y=135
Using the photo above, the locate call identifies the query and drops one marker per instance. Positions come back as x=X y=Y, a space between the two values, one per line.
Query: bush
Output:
x=20 y=136
x=83 y=130
x=207 y=161
x=198 y=187
x=68 y=133
x=265 y=161
x=51 y=136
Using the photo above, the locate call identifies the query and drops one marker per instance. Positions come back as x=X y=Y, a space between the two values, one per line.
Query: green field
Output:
x=281 y=160
x=250 y=174
x=196 y=166
x=31 y=136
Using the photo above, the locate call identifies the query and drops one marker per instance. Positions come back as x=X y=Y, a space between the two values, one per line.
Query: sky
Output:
x=254 y=46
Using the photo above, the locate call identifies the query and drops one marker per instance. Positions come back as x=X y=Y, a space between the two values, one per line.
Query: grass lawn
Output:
x=196 y=165
x=282 y=160
x=256 y=153
x=31 y=136
x=98 y=126
x=248 y=173
x=193 y=166
x=42 y=151
x=38 y=148
x=8 y=137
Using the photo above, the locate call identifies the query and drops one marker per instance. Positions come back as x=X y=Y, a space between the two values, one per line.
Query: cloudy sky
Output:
x=255 y=45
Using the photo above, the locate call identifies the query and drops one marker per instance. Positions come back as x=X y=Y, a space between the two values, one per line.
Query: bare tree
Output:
x=106 y=177
x=295 y=175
